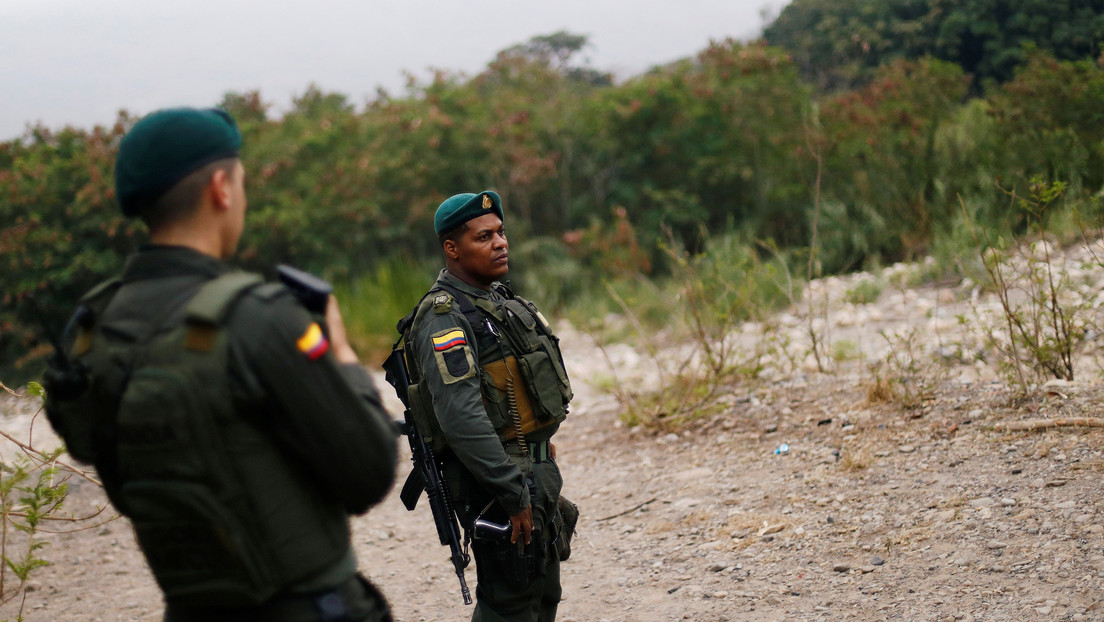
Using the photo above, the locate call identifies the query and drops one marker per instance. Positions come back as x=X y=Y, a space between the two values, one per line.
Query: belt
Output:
x=538 y=452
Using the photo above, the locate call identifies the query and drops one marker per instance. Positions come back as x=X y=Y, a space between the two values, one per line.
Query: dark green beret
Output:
x=460 y=208
x=166 y=146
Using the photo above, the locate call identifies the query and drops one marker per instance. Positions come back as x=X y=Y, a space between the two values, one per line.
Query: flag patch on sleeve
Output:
x=449 y=340
x=313 y=343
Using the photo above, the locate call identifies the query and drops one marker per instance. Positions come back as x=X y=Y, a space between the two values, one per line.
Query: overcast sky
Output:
x=80 y=61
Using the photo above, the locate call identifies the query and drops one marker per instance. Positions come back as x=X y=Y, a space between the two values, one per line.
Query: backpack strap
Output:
x=467 y=307
x=215 y=299
x=106 y=288
x=208 y=309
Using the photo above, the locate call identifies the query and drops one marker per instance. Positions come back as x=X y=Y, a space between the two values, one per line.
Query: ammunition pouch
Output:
x=563 y=527
x=421 y=409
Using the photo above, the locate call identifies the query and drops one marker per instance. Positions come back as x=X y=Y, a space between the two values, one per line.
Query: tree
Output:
x=839 y=43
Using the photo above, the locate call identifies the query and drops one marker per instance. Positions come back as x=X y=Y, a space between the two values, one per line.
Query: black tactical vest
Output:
x=221 y=515
x=523 y=379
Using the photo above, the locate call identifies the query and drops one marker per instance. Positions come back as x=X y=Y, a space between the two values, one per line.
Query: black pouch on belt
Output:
x=567 y=516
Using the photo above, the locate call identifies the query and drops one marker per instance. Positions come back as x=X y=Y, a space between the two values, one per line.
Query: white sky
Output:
x=80 y=61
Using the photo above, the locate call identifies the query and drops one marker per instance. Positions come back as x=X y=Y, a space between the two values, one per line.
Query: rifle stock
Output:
x=426 y=475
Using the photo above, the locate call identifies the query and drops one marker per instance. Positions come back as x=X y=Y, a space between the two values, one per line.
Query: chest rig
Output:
x=157 y=419
x=522 y=378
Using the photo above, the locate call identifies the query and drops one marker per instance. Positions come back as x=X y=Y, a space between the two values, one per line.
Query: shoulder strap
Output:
x=467 y=307
x=107 y=289
x=215 y=299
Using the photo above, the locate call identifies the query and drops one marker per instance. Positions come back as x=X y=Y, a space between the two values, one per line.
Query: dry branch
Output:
x=1044 y=424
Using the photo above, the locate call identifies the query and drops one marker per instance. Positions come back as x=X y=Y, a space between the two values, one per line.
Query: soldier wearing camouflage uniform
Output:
x=491 y=368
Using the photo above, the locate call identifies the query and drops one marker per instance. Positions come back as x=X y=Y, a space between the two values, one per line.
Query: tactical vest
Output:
x=522 y=377
x=221 y=516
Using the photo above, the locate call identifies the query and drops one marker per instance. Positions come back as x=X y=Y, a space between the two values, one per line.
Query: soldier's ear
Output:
x=451 y=251
x=219 y=187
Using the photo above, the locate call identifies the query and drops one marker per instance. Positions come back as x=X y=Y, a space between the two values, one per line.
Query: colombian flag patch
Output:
x=448 y=340
x=313 y=343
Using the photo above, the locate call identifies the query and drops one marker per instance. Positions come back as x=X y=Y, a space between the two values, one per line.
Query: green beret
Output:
x=167 y=145
x=460 y=208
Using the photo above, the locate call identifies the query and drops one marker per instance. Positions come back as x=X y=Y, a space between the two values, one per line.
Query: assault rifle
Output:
x=427 y=474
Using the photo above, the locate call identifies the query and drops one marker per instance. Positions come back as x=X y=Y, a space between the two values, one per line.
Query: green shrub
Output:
x=373 y=302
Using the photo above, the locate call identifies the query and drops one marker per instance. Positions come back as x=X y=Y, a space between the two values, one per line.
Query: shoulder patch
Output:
x=313 y=343
x=451 y=339
x=442 y=304
x=453 y=355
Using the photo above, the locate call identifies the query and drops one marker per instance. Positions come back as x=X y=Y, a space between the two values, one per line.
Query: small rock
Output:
x=906 y=449
x=1007 y=502
x=842 y=567
x=772 y=529
x=877 y=561
x=982 y=502
x=997 y=544
x=867 y=569
x=1056 y=483
x=720 y=594
x=717 y=567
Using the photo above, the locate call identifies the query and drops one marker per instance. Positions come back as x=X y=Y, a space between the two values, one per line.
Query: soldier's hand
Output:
x=523 y=523
x=552 y=450
x=342 y=351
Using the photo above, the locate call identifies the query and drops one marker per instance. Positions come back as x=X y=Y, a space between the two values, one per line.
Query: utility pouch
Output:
x=544 y=384
x=564 y=521
x=421 y=407
x=75 y=420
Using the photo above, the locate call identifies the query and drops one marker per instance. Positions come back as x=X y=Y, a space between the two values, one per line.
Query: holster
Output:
x=515 y=563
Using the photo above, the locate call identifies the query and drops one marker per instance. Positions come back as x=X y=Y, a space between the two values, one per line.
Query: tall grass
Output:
x=373 y=302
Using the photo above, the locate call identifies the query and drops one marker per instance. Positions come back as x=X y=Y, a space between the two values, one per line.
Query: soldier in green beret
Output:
x=494 y=374
x=232 y=425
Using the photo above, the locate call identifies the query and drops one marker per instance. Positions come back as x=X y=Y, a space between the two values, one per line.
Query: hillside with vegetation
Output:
x=737 y=149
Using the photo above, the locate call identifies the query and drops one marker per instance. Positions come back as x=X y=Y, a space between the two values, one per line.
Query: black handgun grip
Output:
x=312 y=291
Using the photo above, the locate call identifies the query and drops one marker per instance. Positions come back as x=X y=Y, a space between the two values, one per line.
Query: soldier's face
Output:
x=482 y=252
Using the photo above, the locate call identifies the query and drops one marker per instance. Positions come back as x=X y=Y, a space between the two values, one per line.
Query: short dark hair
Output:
x=183 y=198
x=453 y=235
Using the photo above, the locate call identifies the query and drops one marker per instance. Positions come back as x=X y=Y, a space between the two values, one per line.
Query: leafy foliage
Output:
x=841 y=43
x=596 y=176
